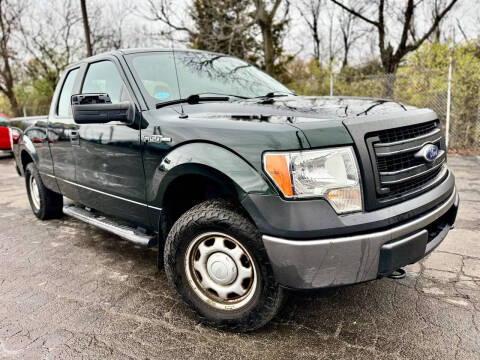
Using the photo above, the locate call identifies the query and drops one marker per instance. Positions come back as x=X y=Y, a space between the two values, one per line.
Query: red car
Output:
x=6 y=140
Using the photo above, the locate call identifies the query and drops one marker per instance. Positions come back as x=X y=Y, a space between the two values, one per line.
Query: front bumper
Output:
x=316 y=219
x=328 y=262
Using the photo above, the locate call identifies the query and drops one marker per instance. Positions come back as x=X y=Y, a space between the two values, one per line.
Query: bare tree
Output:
x=86 y=28
x=310 y=11
x=10 y=13
x=462 y=31
x=49 y=40
x=332 y=46
x=437 y=7
x=49 y=43
x=408 y=41
x=107 y=30
x=350 y=33
x=161 y=10
x=264 y=17
x=216 y=25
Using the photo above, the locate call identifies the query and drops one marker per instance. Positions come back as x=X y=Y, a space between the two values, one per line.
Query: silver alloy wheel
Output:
x=34 y=193
x=220 y=271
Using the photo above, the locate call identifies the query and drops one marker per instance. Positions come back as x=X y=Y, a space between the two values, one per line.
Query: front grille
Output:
x=408 y=186
x=398 y=172
x=407 y=132
x=400 y=161
x=397 y=162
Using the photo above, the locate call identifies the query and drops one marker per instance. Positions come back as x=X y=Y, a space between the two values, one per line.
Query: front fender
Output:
x=28 y=147
x=209 y=160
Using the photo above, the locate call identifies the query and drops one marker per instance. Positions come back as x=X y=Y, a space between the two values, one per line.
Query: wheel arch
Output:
x=191 y=184
x=211 y=161
x=26 y=157
x=197 y=172
x=28 y=153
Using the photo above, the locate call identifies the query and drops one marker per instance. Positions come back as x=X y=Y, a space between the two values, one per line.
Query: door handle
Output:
x=156 y=138
x=74 y=137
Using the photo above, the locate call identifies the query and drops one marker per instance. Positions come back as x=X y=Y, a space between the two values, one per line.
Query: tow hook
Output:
x=397 y=274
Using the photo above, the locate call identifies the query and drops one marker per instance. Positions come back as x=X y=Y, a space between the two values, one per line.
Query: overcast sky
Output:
x=139 y=32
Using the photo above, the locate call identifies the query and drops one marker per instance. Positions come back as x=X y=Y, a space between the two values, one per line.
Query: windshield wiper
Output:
x=269 y=97
x=274 y=94
x=222 y=94
x=192 y=99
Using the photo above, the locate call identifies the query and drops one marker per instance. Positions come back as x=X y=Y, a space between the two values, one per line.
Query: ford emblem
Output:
x=429 y=152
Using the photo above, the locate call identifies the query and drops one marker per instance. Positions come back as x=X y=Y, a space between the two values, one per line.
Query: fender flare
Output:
x=212 y=161
x=28 y=147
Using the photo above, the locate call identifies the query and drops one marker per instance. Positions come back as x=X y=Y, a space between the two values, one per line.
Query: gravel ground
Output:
x=68 y=290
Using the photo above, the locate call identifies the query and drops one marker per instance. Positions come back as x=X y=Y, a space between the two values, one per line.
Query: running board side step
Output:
x=110 y=225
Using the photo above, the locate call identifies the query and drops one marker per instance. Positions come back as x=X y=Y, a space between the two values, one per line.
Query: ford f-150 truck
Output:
x=246 y=188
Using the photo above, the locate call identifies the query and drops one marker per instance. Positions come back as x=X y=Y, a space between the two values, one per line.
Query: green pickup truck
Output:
x=246 y=188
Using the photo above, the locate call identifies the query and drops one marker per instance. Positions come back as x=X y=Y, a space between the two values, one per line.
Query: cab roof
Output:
x=121 y=52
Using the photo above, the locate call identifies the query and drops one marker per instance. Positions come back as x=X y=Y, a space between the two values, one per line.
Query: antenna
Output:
x=182 y=115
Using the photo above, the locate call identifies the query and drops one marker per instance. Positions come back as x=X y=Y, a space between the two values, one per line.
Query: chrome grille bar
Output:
x=409 y=177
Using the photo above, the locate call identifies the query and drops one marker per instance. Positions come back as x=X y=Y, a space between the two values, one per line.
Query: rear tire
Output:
x=45 y=203
x=215 y=259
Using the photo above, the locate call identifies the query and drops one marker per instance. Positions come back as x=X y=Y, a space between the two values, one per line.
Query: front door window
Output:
x=103 y=77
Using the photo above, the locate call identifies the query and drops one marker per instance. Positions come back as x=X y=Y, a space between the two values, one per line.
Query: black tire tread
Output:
x=227 y=213
x=51 y=203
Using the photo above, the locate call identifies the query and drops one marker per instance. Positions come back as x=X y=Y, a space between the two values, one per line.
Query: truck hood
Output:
x=330 y=107
x=251 y=127
x=319 y=118
x=303 y=108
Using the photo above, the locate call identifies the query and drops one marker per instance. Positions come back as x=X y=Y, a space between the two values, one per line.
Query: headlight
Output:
x=329 y=173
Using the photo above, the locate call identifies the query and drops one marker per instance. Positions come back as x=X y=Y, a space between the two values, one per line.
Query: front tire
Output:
x=215 y=259
x=45 y=203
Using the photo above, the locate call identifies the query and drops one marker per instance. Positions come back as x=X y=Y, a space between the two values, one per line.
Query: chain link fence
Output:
x=455 y=98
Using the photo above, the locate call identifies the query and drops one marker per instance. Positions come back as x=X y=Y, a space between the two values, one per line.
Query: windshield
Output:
x=199 y=73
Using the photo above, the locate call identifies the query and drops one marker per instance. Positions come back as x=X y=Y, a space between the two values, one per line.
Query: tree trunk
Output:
x=17 y=112
x=316 y=40
x=264 y=19
x=86 y=27
x=346 y=50
x=316 y=48
x=8 y=90
x=6 y=71
x=268 y=48
x=390 y=67
x=344 y=62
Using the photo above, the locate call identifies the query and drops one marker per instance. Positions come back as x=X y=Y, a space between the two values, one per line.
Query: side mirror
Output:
x=98 y=109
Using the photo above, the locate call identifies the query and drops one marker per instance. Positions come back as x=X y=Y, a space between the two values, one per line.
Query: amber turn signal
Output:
x=276 y=167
